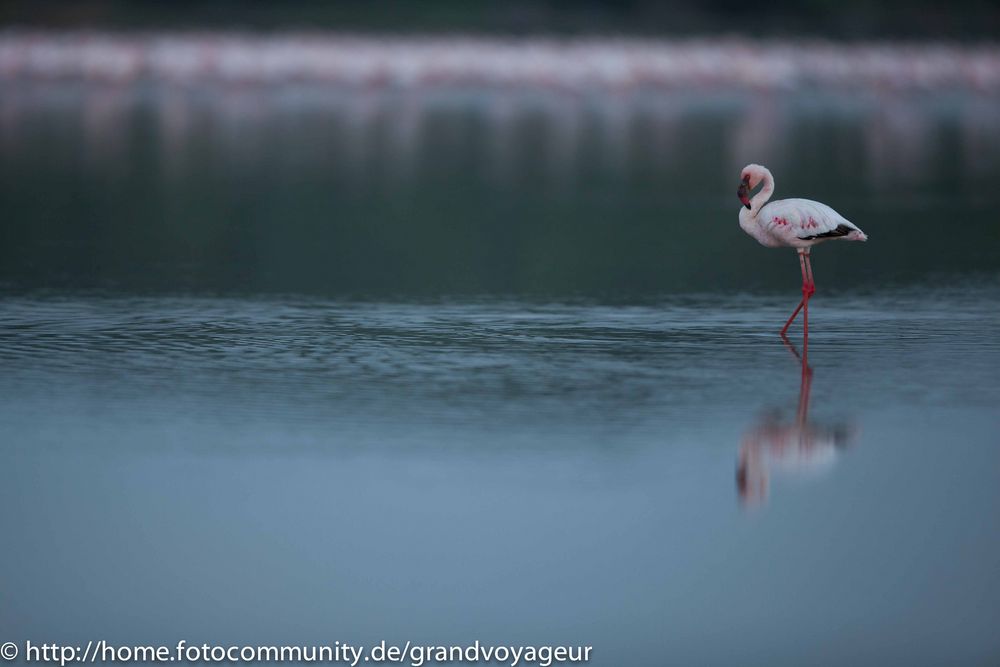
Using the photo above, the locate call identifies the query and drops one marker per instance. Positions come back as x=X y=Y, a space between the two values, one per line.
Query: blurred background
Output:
x=551 y=148
x=433 y=322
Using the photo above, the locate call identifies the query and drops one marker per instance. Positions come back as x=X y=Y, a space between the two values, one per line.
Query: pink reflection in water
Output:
x=794 y=447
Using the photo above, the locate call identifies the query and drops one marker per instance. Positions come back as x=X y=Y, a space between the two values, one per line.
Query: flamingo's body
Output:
x=792 y=223
x=797 y=223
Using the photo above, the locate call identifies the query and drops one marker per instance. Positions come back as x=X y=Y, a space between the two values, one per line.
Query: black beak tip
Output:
x=747 y=205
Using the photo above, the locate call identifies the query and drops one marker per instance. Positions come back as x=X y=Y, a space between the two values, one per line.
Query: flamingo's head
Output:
x=750 y=177
x=743 y=192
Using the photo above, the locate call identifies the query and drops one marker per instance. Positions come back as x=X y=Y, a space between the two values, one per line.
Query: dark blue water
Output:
x=279 y=470
x=289 y=365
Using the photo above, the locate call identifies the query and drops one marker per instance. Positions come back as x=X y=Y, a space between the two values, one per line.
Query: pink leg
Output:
x=809 y=274
x=792 y=318
x=807 y=291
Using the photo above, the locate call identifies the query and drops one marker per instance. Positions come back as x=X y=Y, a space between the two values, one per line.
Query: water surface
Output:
x=308 y=470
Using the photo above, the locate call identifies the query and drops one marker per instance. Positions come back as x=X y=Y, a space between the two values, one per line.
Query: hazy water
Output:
x=308 y=190
x=301 y=369
x=311 y=470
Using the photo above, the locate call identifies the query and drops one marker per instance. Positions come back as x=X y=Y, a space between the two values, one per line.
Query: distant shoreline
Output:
x=558 y=64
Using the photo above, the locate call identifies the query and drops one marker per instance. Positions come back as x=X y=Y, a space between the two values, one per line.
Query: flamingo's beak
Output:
x=744 y=191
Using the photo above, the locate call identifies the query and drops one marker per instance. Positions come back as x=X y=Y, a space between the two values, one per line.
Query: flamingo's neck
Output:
x=765 y=193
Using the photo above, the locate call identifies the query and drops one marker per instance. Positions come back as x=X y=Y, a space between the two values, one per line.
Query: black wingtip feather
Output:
x=841 y=230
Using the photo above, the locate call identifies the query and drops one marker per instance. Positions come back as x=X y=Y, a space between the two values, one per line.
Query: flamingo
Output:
x=792 y=223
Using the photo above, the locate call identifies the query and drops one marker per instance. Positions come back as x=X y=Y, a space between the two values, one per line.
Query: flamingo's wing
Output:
x=804 y=220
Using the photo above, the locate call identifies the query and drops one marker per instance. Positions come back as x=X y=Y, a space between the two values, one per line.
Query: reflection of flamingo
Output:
x=793 y=223
x=795 y=447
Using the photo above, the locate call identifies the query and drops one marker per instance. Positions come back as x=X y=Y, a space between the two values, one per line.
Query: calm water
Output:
x=305 y=369
x=311 y=470
x=360 y=193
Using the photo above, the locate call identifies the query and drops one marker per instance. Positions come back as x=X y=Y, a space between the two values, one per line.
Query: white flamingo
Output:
x=791 y=223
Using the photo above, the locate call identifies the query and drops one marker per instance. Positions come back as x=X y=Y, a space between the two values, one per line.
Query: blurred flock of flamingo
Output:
x=563 y=65
x=381 y=94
